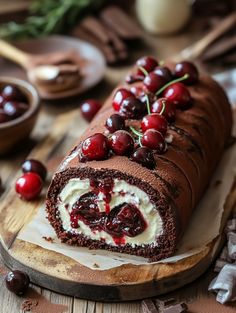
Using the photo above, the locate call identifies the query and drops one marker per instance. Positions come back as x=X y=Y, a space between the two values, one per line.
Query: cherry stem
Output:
x=142 y=69
x=163 y=107
x=135 y=131
x=148 y=104
x=172 y=82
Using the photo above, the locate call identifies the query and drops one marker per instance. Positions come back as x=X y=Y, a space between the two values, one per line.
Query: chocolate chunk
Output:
x=121 y=23
x=148 y=306
x=177 y=308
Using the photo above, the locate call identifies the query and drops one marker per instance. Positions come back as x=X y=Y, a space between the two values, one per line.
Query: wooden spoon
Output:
x=51 y=72
x=196 y=50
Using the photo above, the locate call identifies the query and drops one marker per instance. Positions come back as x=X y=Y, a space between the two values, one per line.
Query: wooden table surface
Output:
x=162 y=47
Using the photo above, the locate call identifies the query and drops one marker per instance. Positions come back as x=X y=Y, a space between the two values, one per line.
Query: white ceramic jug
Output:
x=163 y=16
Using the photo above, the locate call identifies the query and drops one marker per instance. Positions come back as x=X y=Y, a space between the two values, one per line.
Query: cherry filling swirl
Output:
x=123 y=220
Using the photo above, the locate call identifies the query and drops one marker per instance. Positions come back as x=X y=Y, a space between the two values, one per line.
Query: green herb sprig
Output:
x=50 y=16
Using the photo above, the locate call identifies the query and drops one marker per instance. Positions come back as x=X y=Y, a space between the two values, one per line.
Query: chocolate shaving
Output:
x=49 y=239
x=29 y=305
x=121 y=23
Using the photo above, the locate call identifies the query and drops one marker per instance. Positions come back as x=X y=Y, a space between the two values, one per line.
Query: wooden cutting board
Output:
x=62 y=274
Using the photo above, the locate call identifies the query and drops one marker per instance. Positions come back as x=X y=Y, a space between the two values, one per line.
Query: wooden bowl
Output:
x=14 y=131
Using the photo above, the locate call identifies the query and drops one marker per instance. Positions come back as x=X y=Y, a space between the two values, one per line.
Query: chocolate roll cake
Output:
x=133 y=180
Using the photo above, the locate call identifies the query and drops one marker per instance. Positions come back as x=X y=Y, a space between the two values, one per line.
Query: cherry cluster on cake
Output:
x=143 y=112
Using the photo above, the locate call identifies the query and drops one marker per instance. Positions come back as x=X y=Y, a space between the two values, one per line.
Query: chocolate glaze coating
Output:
x=180 y=178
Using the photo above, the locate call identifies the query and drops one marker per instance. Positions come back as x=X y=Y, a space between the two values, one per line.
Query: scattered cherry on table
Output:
x=17 y=282
x=29 y=186
x=35 y=166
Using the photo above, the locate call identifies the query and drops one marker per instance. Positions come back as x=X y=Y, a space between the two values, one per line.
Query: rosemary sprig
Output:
x=50 y=16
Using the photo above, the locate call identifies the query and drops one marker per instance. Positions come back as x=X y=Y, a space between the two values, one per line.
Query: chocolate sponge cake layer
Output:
x=89 y=203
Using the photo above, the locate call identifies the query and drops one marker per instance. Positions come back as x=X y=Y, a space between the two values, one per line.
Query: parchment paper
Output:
x=203 y=227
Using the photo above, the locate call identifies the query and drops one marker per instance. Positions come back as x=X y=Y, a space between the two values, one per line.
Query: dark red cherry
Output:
x=153 y=82
x=17 y=282
x=154 y=140
x=189 y=68
x=144 y=156
x=155 y=121
x=137 y=91
x=179 y=95
x=121 y=142
x=15 y=109
x=164 y=72
x=4 y=117
x=95 y=147
x=120 y=95
x=166 y=107
x=115 y=122
x=89 y=109
x=146 y=62
x=13 y=93
x=29 y=186
x=34 y=166
x=132 y=108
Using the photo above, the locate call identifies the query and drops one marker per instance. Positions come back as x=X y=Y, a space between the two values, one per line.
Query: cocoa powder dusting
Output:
x=36 y=303
x=209 y=305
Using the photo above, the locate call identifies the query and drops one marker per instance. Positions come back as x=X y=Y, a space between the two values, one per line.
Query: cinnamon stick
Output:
x=95 y=27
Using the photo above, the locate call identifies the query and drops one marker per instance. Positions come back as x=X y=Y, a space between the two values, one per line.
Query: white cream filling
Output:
x=122 y=192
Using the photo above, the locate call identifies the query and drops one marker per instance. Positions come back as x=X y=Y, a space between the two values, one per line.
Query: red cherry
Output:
x=178 y=94
x=153 y=82
x=120 y=95
x=132 y=108
x=121 y=142
x=154 y=140
x=29 y=186
x=137 y=91
x=155 y=121
x=164 y=104
x=144 y=156
x=15 y=109
x=95 y=147
x=187 y=68
x=146 y=62
x=164 y=71
x=115 y=122
x=13 y=93
x=34 y=166
x=89 y=109
x=17 y=282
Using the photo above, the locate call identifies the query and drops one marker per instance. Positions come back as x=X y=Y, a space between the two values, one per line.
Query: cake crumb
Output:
x=29 y=305
x=49 y=239
x=96 y=265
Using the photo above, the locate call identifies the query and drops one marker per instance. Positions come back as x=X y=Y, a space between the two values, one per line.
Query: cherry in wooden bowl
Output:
x=19 y=108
